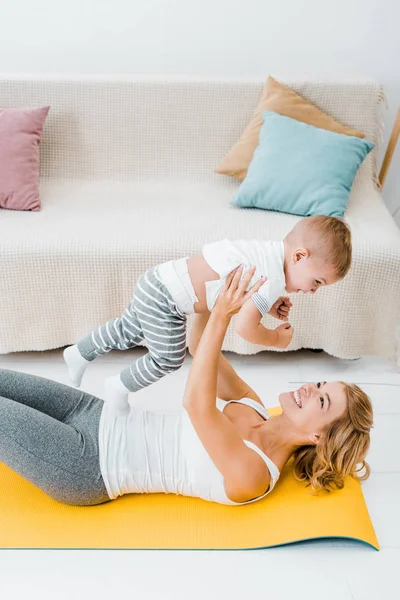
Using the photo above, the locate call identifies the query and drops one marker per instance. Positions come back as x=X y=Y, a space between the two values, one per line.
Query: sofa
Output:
x=127 y=182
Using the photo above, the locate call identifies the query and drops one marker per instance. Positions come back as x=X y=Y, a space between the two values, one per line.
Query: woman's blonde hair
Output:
x=342 y=448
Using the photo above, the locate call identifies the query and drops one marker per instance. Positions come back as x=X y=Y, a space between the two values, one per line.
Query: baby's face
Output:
x=306 y=274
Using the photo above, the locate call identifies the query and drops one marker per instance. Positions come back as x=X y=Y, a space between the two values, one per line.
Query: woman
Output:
x=72 y=446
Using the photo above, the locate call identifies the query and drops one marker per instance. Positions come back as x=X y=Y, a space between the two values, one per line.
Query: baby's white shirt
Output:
x=268 y=258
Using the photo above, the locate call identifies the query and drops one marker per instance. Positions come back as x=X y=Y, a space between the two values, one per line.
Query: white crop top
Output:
x=152 y=452
x=266 y=256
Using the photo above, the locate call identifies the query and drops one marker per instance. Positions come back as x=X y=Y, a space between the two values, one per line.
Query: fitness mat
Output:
x=30 y=519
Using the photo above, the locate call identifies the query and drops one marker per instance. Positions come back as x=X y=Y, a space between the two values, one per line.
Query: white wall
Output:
x=210 y=37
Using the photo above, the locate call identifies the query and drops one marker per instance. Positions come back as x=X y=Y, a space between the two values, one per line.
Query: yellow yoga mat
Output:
x=30 y=519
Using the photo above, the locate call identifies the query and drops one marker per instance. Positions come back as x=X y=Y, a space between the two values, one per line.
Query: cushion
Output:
x=280 y=99
x=20 y=131
x=301 y=169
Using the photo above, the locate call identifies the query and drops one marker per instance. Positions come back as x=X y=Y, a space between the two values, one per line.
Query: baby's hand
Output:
x=285 y=332
x=281 y=308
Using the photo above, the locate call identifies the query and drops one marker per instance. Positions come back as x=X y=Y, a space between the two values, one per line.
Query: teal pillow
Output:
x=301 y=169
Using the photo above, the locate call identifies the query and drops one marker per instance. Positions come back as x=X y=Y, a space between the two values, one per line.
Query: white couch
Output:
x=127 y=182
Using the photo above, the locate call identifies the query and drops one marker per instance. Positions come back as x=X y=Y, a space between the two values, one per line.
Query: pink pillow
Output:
x=20 y=131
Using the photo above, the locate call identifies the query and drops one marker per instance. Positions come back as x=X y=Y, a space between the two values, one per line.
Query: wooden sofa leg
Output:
x=390 y=150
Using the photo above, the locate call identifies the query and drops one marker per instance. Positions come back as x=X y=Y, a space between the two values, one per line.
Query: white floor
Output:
x=331 y=569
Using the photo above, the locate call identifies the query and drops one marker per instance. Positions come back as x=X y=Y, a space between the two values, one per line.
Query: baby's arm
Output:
x=248 y=326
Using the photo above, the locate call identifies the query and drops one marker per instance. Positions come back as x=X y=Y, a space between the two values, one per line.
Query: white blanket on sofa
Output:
x=127 y=182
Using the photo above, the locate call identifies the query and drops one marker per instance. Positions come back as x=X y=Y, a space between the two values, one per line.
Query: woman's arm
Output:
x=229 y=385
x=245 y=473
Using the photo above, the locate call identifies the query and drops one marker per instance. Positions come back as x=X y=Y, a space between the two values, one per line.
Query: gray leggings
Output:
x=49 y=435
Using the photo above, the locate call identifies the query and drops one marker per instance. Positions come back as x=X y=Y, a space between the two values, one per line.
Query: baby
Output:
x=315 y=253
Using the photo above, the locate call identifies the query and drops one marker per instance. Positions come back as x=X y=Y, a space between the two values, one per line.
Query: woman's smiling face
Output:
x=313 y=407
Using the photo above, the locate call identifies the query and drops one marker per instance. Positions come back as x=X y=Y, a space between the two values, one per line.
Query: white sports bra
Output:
x=272 y=468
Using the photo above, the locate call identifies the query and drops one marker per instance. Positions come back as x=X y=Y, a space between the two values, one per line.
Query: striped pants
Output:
x=152 y=316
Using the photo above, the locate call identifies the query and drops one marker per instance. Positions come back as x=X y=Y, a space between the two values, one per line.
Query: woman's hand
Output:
x=234 y=295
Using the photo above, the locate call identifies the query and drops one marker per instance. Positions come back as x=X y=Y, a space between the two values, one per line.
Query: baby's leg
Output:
x=117 y=334
x=164 y=331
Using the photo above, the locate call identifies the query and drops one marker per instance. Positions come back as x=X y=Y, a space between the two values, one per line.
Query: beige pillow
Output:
x=286 y=102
